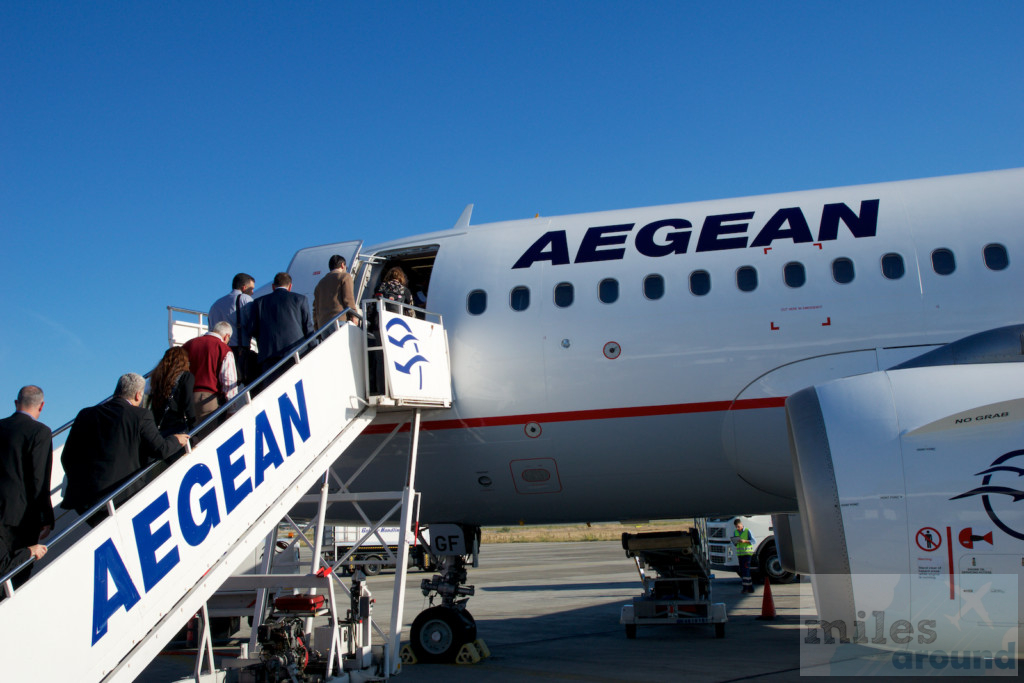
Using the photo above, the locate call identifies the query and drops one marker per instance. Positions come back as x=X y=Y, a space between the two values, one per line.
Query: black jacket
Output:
x=9 y=555
x=26 y=457
x=108 y=444
x=178 y=415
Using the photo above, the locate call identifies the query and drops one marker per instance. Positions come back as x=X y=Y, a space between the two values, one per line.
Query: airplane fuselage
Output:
x=634 y=364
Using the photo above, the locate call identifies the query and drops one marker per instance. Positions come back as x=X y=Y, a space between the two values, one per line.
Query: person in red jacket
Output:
x=211 y=361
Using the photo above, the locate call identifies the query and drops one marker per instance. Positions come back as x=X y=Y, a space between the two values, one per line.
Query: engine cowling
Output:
x=910 y=485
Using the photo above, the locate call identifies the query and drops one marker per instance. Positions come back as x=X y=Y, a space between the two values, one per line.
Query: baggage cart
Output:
x=676 y=578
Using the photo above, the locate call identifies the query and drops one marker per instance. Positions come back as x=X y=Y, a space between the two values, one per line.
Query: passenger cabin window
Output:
x=563 y=294
x=746 y=279
x=996 y=257
x=700 y=282
x=892 y=266
x=842 y=271
x=793 y=274
x=519 y=298
x=476 y=303
x=943 y=262
x=608 y=291
x=654 y=287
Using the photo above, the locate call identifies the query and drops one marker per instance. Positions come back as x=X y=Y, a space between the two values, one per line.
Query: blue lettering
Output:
x=298 y=418
x=229 y=471
x=551 y=247
x=675 y=242
x=798 y=230
x=864 y=225
x=590 y=250
x=107 y=561
x=264 y=434
x=725 y=224
x=718 y=233
x=149 y=541
x=193 y=532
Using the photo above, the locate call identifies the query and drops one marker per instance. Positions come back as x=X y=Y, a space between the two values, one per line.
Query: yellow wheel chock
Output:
x=468 y=654
x=406 y=655
x=471 y=653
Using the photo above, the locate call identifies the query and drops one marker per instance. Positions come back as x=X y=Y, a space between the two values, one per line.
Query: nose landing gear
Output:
x=439 y=632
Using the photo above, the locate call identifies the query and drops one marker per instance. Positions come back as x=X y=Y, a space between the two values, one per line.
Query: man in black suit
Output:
x=279 y=321
x=26 y=457
x=109 y=443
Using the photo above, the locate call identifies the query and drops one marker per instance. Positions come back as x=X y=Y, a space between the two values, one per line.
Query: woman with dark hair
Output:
x=171 y=387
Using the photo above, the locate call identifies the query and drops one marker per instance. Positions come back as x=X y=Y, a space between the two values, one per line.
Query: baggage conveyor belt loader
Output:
x=676 y=578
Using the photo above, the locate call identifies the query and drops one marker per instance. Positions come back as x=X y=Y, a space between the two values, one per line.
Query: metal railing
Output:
x=171 y=310
x=377 y=345
x=245 y=396
x=66 y=427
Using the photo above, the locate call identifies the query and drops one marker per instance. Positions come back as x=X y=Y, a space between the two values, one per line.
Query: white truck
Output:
x=766 y=556
x=372 y=556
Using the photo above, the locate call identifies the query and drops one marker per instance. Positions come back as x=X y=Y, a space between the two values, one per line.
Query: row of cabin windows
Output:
x=793 y=274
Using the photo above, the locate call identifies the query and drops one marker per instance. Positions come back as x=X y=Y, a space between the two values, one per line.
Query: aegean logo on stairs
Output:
x=238 y=474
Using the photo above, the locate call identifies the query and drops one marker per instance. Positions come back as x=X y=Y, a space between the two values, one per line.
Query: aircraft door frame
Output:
x=370 y=265
x=309 y=265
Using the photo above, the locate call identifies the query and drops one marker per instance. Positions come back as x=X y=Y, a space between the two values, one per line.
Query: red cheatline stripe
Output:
x=579 y=415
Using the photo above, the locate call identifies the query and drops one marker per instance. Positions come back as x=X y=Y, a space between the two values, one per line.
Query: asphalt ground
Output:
x=550 y=612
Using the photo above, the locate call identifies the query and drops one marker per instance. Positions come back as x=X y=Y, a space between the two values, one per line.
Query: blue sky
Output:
x=148 y=151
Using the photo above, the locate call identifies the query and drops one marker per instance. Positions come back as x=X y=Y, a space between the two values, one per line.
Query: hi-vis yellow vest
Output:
x=744 y=546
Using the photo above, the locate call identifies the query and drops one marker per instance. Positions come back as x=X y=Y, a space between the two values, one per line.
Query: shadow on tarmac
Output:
x=609 y=585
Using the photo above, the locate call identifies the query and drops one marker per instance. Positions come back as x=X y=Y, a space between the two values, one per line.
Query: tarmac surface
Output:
x=550 y=612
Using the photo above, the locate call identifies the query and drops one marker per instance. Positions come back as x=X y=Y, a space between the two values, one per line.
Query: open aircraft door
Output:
x=309 y=265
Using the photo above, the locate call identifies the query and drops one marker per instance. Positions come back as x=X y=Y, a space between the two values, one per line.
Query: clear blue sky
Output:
x=148 y=151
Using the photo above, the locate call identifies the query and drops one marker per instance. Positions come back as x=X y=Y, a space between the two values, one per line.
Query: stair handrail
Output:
x=305 y=345
x=5 y=580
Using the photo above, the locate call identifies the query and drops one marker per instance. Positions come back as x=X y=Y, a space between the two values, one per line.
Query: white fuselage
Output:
x=646 y=408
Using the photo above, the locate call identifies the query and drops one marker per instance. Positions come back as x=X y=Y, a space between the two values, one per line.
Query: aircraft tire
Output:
x=438 y=633
x=769 y=565
x=471 y=630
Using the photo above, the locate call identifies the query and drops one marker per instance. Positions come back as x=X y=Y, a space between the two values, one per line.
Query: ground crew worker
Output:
x=744 y=542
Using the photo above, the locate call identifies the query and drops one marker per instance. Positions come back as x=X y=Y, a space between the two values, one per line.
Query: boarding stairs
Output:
x=109 y=598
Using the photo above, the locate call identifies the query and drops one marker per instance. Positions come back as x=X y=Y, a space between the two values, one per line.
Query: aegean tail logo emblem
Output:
x=400 y=342
x=998 y=495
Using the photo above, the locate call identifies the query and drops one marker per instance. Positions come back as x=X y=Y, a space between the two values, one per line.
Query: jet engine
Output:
x=910 y=485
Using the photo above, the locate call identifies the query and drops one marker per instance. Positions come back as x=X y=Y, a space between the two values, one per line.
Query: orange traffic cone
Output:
x=767 y=603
